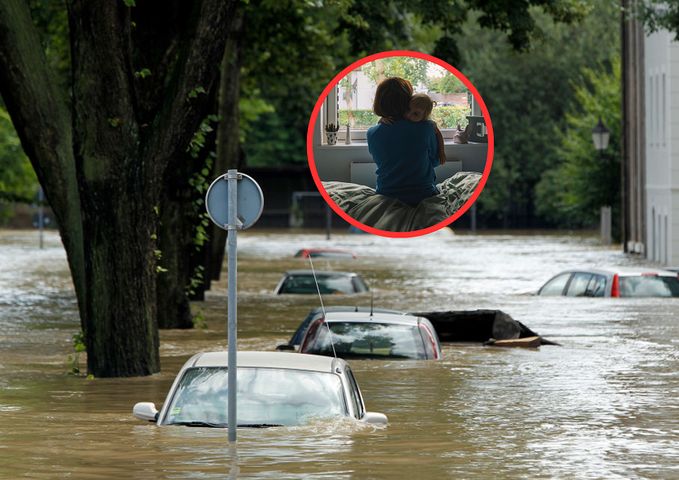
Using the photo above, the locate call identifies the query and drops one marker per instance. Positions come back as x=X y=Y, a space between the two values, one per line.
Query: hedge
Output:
x=445 y=117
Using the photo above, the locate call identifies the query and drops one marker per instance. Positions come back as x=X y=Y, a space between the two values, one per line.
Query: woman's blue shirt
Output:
x=406 y=154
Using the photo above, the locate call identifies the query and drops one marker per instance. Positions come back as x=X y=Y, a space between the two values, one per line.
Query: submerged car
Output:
x=324 y=253
x=613 y=282
x=274 y=389
x=318 y=312
x=302 y=281
x=372 y=335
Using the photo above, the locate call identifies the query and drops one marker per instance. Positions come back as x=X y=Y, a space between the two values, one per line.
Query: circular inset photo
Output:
x=400 y=144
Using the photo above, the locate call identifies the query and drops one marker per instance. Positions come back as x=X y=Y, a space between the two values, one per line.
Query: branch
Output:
x=192 y=80
x=36 y=106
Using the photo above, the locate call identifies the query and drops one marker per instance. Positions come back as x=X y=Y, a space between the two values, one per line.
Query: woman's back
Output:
x=405 y=153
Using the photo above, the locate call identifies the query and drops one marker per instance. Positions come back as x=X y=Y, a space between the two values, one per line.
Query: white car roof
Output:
x=291 y=361
x=390 y=318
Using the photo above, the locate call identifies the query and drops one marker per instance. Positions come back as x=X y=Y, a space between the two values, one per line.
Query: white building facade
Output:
x=661 y=118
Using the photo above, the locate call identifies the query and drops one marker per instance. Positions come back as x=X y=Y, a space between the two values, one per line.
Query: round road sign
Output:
x=249 y=201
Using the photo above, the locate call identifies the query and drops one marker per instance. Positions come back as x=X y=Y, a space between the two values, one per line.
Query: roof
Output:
x=352 y=308
x=623 y=271
x=292 y=361
x=318 y=273
x=360 y=317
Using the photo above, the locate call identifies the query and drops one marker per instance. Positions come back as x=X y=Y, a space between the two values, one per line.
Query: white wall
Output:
x=662 y=148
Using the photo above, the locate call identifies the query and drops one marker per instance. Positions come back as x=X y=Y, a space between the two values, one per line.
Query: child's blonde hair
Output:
x=423 y=101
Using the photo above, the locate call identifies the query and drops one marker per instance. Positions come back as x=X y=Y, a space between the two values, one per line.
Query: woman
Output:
x=405 y=152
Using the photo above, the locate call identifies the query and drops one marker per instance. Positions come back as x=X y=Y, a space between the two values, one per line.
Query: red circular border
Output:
x=317 y=109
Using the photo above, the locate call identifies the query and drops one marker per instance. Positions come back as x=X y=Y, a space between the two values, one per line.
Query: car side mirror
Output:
x=285 y=347
x=374 y=418
x=145 y=411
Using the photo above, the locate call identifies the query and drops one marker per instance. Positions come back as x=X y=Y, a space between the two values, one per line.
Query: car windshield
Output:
x=369 y=340
x=266 y=397
x=326 y=283
x=649 y=286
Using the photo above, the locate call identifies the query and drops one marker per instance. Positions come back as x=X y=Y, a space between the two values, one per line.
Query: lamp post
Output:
x=600 y=136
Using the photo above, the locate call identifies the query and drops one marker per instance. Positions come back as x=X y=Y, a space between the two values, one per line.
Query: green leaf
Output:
x=143 y=73
x=194 y=93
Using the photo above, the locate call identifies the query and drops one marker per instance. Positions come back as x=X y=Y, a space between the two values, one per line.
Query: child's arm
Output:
x=386 y=120
x=441 y=145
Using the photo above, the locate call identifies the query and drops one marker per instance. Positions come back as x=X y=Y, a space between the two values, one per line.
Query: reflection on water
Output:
x=603 y=405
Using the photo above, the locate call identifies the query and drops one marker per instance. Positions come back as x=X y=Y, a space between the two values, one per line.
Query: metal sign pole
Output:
x=232 y=227
x=234 y=201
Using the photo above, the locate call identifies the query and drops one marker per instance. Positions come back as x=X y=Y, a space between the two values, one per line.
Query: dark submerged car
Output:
x=302 y=282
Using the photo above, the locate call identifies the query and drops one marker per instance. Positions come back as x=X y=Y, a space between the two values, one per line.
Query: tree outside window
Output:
x=356 y=91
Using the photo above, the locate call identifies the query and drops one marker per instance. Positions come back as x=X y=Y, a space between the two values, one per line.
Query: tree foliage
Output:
x=657 y=15
x=293 y=49
x=528 y=95
x=17 y=179
x=448 y=83
x=571 y=193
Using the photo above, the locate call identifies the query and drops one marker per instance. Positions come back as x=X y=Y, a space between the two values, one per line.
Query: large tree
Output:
x=140 y=87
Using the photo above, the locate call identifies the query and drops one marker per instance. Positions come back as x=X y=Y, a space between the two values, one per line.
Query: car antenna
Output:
x=325 y=318
x=372 y=301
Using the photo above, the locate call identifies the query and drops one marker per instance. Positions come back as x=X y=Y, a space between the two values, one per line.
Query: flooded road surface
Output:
x=605 y=404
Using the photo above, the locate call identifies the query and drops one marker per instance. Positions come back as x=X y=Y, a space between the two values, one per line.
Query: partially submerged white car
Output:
x=274 y=389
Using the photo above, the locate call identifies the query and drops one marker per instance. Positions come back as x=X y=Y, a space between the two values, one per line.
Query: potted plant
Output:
x=331 y=133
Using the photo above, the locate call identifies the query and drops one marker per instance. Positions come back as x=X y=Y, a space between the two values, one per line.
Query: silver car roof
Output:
x=318 y=272
x=623 y=271
x=291 y=361
x=390 y=318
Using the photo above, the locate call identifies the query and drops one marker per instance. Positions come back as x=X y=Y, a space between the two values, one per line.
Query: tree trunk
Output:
x=118 y=191
x=175 y=242
x=228 y=133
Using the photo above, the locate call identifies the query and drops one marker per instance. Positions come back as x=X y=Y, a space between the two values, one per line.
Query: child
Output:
x=419 y=110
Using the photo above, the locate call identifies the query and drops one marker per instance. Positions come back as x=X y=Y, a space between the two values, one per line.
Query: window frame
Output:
x=330 y=114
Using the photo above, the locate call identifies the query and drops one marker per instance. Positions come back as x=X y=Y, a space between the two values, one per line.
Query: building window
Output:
x=350 y=103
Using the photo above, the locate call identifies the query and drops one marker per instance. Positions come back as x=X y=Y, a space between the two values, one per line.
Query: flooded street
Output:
x=604 y=404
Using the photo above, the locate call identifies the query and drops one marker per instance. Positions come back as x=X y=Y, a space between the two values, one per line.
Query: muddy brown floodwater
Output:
x=605 y=404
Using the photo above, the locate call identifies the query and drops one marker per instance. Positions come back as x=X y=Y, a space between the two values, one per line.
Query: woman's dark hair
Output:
x=392 y=97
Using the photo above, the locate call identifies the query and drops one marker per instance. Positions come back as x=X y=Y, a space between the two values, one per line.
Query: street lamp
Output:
x=600 y=136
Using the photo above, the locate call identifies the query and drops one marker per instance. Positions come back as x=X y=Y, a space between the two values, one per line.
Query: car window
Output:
x=555 y=285
x=597 y=286
x=327 y=284
x=327 y=254
x=359 y=285
x=578 y=284
x=649 y=286
x=266 y=396
x=368 y=340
